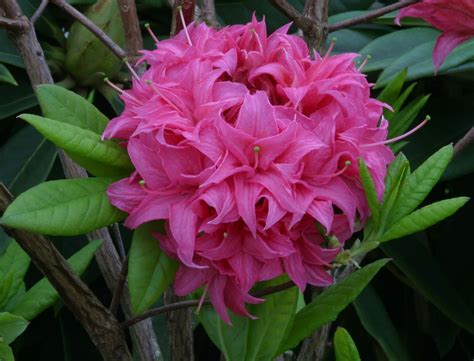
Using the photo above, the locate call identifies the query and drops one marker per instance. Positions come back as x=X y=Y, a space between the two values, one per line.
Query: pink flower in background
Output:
x=455 y=18
x=242 y=144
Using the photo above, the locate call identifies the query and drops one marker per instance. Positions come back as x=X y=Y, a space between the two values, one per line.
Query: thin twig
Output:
x=371 y=15
x=119 y=287
x=133 y=35
x=118 y=241
x=42 y=7
x=193 y=303
x=101 y=35
x=13 y=25
x=317 y=11
x=305 y=24
x=464 y=143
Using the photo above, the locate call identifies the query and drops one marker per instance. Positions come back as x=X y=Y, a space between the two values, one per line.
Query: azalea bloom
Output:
x=454 y=18
x=246 y=147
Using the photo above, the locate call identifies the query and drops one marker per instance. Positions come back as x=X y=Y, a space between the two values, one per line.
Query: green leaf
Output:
x=66 y=106
x=424 y=218
x=385 y=50
x=150 y=271
x=14 y=262
x=369 y=190
x=254 y=340
x=14 y=100
x=429 y=279
x=392 y=91
x=102 y=158
x=43 y=295
x=377 y=323
x=6 y=353
x=421 y=182
x=327 y=306
x=26 y=159
x=344 y=346
x=63 y=207
x=11 y=326
x=6 y=76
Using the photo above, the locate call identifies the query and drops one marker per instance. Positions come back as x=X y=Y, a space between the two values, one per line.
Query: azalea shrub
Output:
x=291 y=195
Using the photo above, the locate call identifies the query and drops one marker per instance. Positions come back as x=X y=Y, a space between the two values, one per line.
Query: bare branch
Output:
x=299 y=19
x=133 y=35
x=118 y=241
x=317 y=12
x=208 y=13
x=118 y=292
x=100 y=324
x=464 y=143
x=371 y=15
x=39 y=11
x=101 y=35
x=13 y=25
x=193 y=303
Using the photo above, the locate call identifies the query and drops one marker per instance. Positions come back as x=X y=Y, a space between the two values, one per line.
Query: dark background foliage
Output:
x=416 y=303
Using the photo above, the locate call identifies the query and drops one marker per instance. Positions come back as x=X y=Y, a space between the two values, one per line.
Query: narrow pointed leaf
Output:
x=327 y=306
x=11 y=326
x=150 y=271
x=6 y=76
x=63 y=207
x=66 y=106
x=392 y=91
x=402 y=120
x=421 y=182
x=344 y=346
x=43 y=295
x=424 y=218
x=369 y=190
x=84 y=146
x=14 y=261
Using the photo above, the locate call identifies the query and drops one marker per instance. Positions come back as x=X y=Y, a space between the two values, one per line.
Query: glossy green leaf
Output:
x=423 y=218
x=327 y=306
x=26 y=159
x=63 y=207
x=16 y=99
x=344 y=346
x=369 y=190
x=377 y=323
x=421 y=182
x=429 y=279
x=388 y=48
x=66 y=106
x=8 y=53
x=11 y=326
x=102 y=158
x=6 y=353
x=254 y=340
x=13 y=262
x=150 y=271
x=43 y=295
x=6 y=76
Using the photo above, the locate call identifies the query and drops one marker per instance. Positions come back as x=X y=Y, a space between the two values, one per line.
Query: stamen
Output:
x=170 y=103
x=226 y=234
x=331 y=47
x=185 y=28
x=120 y=91
x=364 y=63
x=130 y=68
x=201 y=300
x=152 y=34
x=403 y=136
x=256 y=150
x=142 y=183
x=347 y=164
x=258 y=39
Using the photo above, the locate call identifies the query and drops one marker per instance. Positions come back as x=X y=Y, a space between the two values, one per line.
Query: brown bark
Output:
x=317 y=12
x=98 y=321
x=133 y=35
x=180 y=326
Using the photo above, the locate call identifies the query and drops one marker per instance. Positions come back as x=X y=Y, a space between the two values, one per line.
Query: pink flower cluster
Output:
x=243 y=144
x=454 y=17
